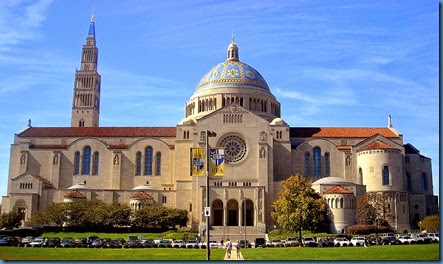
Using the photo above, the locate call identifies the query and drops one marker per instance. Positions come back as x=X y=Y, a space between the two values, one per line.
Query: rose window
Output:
x=235 y=148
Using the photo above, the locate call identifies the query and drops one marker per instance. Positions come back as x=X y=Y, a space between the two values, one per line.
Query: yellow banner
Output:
x=197 y=161
x=217 y=162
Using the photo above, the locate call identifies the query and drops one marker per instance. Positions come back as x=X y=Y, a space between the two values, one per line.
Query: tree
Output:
x=365 y=213
x=10 y=220
x=299 y=206
x=430 y=223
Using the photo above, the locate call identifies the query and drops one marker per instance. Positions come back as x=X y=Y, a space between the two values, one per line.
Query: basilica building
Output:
x=150 y=166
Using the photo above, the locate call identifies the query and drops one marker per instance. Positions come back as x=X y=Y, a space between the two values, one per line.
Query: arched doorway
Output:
x=232 y=213
x=248 y=213
x=217 y=213
x=20 y=208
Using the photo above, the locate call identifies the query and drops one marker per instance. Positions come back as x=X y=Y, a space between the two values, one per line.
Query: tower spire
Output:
x=91 y=31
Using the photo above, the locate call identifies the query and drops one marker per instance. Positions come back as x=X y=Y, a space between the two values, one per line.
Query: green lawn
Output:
x=403 y=252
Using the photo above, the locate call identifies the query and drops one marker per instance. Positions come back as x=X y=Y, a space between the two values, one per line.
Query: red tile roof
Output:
x=377 y=145
x=75 y=194
x=99 y=132
x=338 y=190
x=338 y=132
x=45 y=181
x=141 y=195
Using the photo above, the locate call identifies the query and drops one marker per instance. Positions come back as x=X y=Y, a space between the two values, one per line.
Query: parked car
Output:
x=435 y=237
x=81 y=242
x=214 y=244
x=291 y=242
x=308 y=242
x=358 y=241
x=131 y=243
x=259 y=242
x=52 y=242
x=191 y=244
x=164 y=243
x=68 y=242
x=177 y=243
x=38 y=242
x=325 y=242
x=114 y=243
x=407 y=240
x=341 y=242
x=275 y=243
x=26 y=240
x=425 y=238
x=244 y=243
x=91 y=239
x=98 y=243
x=9 y=241
x=147 y=243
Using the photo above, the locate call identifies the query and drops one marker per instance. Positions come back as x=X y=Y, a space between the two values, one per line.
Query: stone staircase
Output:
x=235 y=233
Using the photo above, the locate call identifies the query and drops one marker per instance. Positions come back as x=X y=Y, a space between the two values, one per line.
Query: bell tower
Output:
x=86 y=99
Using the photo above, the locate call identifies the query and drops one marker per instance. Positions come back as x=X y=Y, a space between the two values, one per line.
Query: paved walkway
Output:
x=234 y=255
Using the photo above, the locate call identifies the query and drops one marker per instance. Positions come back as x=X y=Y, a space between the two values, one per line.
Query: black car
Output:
x=52 y=242
x=244 y=243
x=9 y=241
x=114 y=243
x=259 y=242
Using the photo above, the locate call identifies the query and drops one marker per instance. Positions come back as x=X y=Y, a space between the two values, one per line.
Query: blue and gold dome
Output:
x=232 y=72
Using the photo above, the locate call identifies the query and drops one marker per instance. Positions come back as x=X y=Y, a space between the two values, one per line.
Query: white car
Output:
x=407 y=240
x=358 y=241
x=435 y=237
x=214 y=244
x=177 y=243
x=341 y=242
x=38 y=242
x=191 y=244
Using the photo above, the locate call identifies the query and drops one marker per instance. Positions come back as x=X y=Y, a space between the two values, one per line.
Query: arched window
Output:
x=408 y=182
x=95 y=163
x=385 y=175
x=424 y=183
x=138 y=163
x=148 y=161
x=327 y=165
x=158 y=163
x=77 y=163
x=86 y=160
x=307 y=159
x=317 y=161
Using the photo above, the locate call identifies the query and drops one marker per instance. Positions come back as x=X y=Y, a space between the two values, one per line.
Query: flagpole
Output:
x=208 y=134
x=208 y=251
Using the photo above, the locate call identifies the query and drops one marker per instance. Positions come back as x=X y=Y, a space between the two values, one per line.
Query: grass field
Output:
x=404 y=252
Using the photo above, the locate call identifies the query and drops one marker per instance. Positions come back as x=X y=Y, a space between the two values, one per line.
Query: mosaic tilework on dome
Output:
x=233 y=72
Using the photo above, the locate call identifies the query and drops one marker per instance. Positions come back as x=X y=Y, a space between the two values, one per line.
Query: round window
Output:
x=235 y=148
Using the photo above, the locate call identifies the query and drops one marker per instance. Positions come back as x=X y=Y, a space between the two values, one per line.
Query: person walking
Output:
x=238 y=247
x=228 y=250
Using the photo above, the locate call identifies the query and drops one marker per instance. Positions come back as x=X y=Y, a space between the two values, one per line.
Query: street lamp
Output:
x=208 y=134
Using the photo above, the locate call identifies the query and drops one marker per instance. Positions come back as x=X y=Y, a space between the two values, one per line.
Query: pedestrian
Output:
x=228 y=250
x=365 y=243
x=238 y=250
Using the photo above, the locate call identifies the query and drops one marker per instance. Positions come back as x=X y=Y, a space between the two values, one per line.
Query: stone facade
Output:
x=234 y=101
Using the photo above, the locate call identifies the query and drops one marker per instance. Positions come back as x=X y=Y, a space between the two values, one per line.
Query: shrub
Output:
x=367 y=229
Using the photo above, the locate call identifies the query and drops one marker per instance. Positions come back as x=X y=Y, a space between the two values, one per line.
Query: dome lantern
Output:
x=233 y=51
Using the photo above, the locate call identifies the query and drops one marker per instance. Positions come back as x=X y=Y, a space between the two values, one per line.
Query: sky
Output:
x=329 y=63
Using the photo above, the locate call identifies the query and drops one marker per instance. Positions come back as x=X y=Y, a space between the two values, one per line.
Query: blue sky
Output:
x=329 y=63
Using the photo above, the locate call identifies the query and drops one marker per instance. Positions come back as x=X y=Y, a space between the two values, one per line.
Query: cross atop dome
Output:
x=233 y=51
